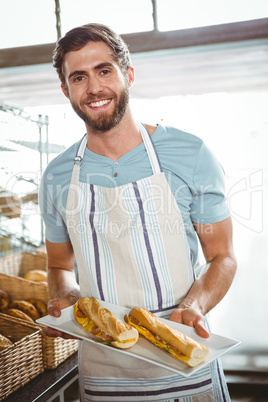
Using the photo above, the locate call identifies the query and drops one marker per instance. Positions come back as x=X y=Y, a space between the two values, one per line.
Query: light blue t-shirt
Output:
x=195 y=176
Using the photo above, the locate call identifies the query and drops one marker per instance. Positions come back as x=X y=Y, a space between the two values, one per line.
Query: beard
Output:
x=105 y=121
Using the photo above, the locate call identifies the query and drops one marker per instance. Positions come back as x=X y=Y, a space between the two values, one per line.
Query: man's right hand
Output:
x=54 y=308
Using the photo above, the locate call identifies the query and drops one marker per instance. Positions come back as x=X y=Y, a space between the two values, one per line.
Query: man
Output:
x=127 y=203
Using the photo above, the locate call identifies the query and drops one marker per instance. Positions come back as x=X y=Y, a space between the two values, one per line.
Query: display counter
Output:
x=52 y=384
x=49 y=385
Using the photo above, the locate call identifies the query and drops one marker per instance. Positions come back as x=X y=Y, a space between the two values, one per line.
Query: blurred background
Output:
x=200 y=66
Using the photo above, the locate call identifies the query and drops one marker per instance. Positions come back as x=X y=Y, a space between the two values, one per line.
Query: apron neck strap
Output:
x=80 y=152
x=150 y=148
x=148 y=143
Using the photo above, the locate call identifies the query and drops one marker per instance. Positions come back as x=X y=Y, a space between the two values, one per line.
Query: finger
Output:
x=201 y=330
x=67 y=336
x=53 y=310
x=53 y=332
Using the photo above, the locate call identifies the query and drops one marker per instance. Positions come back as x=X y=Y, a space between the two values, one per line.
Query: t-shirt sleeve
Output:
x=55 y=227
x=209 y=203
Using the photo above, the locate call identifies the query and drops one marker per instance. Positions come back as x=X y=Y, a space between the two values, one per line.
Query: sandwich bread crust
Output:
x=169 y=339
x=103 y=324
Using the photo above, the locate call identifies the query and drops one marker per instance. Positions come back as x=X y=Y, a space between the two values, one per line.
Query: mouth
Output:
x=99 y=103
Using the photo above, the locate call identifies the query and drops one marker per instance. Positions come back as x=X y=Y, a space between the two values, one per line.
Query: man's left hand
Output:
x=191 y=317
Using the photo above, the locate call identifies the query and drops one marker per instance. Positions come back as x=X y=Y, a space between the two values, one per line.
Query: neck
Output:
x=116 y=142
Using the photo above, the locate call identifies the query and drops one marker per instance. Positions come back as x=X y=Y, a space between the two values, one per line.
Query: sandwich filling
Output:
x=89 y=325
x=156 y=340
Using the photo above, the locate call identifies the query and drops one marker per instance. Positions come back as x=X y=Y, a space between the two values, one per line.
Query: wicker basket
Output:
x=20 y=289
x=22 y=361
x=9 y=204
x=55 y=350
x=20 y=263
x=41 y=251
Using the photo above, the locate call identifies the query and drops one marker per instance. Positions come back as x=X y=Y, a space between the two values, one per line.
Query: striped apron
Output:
x=131 y=249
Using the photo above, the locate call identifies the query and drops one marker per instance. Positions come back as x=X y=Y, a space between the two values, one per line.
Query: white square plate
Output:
x=143 y=349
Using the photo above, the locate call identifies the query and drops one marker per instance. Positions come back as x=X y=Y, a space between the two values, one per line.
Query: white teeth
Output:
x=100 y=103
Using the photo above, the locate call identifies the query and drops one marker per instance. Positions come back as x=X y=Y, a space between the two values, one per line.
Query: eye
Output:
x=79 y=78
x=105 y=72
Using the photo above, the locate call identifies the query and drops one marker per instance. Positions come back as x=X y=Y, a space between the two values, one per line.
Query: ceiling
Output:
x=224 y=58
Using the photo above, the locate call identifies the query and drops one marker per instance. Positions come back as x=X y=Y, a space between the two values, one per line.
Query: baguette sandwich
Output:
x=166 y=338
x=101 y=323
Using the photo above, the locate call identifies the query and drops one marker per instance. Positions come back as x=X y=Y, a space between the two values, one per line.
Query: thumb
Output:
x=200 y=329
x=53 y=308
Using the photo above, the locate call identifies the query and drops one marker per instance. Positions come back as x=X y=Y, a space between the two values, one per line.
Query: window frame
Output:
x=150 y=41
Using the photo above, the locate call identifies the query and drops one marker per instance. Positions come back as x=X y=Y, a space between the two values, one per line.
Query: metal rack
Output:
x=14 y=233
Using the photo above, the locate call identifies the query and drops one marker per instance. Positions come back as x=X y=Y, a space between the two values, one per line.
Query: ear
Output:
x=131 y=76
x=65 y=90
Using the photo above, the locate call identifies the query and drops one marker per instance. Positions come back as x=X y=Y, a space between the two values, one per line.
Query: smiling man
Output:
x=159 y=189
x=96 y=86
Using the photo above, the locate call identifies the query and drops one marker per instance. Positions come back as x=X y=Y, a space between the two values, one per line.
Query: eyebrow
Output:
x=76 y=72
x=102 y=65
x=98 y=67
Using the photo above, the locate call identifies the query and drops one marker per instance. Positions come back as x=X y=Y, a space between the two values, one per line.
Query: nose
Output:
x=94 y=85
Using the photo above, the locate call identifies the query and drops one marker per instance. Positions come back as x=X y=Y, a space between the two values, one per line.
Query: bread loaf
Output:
x=26 y=307
x=4 y=301
x=36 y=275
x=40 y=306
x=19 y=314
x=4 y=342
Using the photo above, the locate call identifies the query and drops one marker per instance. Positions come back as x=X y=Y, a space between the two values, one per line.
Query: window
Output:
x=181 y=14
x=124 y=16
x=27 y=22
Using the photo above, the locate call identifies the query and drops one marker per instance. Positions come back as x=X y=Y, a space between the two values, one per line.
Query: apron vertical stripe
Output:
x=148 y=247
x=107 y=266
x=220 y=381
x=191 y=273
x=138 y=249
x=95 y=241
x=87 y=254
x=157 y=242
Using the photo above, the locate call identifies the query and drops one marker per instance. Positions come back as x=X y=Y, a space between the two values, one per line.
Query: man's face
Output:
x=96 y=86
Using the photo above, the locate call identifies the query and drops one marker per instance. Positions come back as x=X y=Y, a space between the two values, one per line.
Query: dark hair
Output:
x=78 y=37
